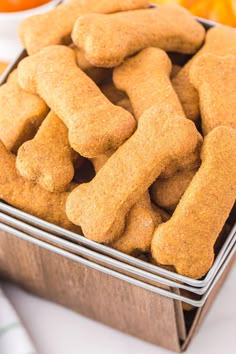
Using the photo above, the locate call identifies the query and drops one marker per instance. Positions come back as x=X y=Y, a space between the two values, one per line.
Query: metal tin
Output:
x=109 y=260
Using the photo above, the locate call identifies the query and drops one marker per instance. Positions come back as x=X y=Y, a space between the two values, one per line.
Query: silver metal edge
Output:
x=204 y=284
x=97 y=256
x=195 y=303
x=121 y=256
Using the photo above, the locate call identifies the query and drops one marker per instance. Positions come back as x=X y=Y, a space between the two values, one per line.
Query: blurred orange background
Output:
x=20 y=5
x=222 y=11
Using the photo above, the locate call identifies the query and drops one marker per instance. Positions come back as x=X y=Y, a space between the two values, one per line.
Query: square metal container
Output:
x=104 y=284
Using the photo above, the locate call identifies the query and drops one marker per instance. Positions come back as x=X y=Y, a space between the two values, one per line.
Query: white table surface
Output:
x=56 y=330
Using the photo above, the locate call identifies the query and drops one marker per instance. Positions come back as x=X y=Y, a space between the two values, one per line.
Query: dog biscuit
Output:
x=167 y=192
x=214 y=79
x=55 y=26
x=48 y=159
x=101 y=205
x=145 y=79
x=140 y=223
x=187 y=240
x=95 y=125
x=30 y=197
x=21 y=114
x=107 y=39
x=220 y=40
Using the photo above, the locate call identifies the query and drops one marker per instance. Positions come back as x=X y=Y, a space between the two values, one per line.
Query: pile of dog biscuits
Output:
x=120 y=124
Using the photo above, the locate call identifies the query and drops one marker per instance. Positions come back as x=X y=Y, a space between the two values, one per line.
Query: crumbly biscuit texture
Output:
x=55 y=26
x=107 y=39
x=101 y=205
x=95 y=125
x=187 y=240
x=48 y=159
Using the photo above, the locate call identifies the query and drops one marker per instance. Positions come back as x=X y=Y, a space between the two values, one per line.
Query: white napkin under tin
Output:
x=14 y=338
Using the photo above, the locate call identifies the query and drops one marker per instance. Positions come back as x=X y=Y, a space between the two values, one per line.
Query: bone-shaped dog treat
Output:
x=167 y=192
x=98 y=75
x=139 y=227
x=48 y=158
x=145 y=79
x=220 y=40
x=214 y=78
x=187 y=240
x=140 y=223
x=21 y=114
x=108 y=39
x=29 y=196
x=95 y=125
x=55 y=26
x=100 y=206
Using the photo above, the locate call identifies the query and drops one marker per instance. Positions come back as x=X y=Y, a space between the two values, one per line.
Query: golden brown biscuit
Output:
x=95 y=125
x=145 y=79
x=140 y=223
x=220 y=40
x=187 y=240
x=29 y=196
x=107 y=39
x=214 y=79
x=55 y=26
x=164 y=215
x=21 y=114
x=48 y=158
x=98 y=75
x=100 y=206
x=167 y=192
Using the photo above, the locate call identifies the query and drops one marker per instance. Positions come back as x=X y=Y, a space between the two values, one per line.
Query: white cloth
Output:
x=13 y=336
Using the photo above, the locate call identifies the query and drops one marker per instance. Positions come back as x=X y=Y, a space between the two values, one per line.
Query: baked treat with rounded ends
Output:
x=108 y=39
x=100 y=206
x=145 y=78
x=140 y=224
x=95 y=125
x=21 y=114
x=167 y=192
x=214 y=78
x=220 y=40
x=30 y=197
x=187 y=240
x=140 y=221
x=55 y=26
x=48 y=159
